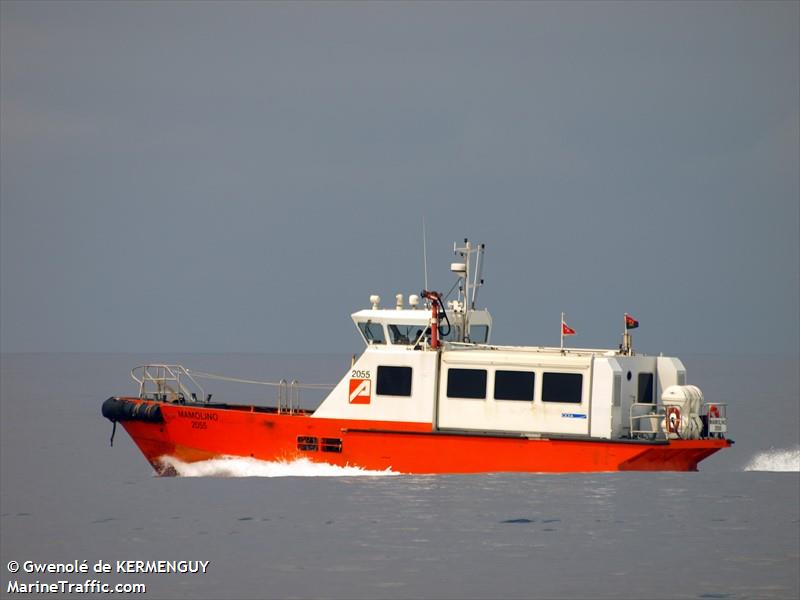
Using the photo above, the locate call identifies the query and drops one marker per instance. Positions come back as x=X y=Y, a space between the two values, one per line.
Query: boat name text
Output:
x=197 y=414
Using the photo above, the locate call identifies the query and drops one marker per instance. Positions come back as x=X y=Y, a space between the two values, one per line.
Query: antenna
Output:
x=425 y=251
x=477 y=281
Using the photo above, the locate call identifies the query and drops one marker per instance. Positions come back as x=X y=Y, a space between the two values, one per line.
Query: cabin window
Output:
x=405 y=334
x=513 y=385
x=645 y=388
x=466 y=383
x=479 y=334
x=562 y=387
x=394 y=381
x=617 y=389
x=372 y=332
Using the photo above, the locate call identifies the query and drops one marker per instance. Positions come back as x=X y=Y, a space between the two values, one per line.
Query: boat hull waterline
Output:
x=197 y=433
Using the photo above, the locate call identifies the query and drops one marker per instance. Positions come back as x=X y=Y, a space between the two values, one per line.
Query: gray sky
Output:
x=219 y=177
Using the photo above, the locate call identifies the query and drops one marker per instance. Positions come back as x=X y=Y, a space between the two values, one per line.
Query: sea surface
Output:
x=731 y=530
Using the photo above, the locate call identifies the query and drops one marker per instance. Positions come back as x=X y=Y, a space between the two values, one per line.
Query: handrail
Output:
x=651 y=418
x=283 y=394
x=651 y=423
x=294 y=395
x=716 y=418
x=176 y=383
x=310 y=386
x=722 y=408
x=166 y=379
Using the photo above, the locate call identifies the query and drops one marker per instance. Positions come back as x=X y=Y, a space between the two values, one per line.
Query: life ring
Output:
x=713 y=411
x=673 y=419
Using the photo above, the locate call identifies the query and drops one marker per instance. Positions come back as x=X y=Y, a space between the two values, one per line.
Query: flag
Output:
x=566 y=329
x=630 y=322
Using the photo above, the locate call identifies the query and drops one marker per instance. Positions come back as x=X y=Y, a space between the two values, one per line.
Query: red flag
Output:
x=630 y=322
x=566 y=329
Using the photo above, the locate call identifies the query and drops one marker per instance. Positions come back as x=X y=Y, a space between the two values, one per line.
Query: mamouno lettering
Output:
x=197 y=414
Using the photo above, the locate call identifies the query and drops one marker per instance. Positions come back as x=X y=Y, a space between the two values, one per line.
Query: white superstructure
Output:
x=452 y=377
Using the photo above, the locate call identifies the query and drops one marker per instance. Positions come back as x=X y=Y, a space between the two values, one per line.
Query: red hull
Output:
x=191 y=433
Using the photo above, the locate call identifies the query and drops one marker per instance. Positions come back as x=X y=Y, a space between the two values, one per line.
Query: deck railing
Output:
x=176 y=383
x=168 y=383
x=646 y=420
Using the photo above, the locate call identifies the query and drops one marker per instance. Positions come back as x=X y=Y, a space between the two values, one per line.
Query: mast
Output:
x=470 y=289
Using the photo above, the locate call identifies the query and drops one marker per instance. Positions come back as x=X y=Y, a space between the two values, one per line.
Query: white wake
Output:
x=775 y=459
x=250 y=467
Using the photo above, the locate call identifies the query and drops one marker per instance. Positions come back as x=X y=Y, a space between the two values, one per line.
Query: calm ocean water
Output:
x=730 y=531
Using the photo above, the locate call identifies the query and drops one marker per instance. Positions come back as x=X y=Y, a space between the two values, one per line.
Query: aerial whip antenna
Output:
x=425 y=251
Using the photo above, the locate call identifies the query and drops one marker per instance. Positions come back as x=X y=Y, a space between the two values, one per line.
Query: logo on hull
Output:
x=360 y=391
x=573 y=416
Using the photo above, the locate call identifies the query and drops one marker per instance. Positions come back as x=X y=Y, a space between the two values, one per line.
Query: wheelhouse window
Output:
x=466 y=383
x=405 y=334
x=513 y=385
x=645 y=392
x=394 y=381
x=562 y=387
x=479 y=334
x=617 y=389
x=372 y=332
x=454 y=335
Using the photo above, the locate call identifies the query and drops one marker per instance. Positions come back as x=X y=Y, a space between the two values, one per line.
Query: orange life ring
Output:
x=673 y=419
x=713 y=411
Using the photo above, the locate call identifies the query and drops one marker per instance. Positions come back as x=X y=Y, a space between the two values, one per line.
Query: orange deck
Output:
x=191 y=433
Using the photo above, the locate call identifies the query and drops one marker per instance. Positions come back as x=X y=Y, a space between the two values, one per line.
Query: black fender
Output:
x=117 y=409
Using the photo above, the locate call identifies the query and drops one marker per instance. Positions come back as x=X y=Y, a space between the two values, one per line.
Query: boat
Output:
x=432 y=394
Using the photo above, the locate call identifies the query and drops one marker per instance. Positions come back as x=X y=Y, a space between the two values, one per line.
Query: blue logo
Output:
x=572 y=416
